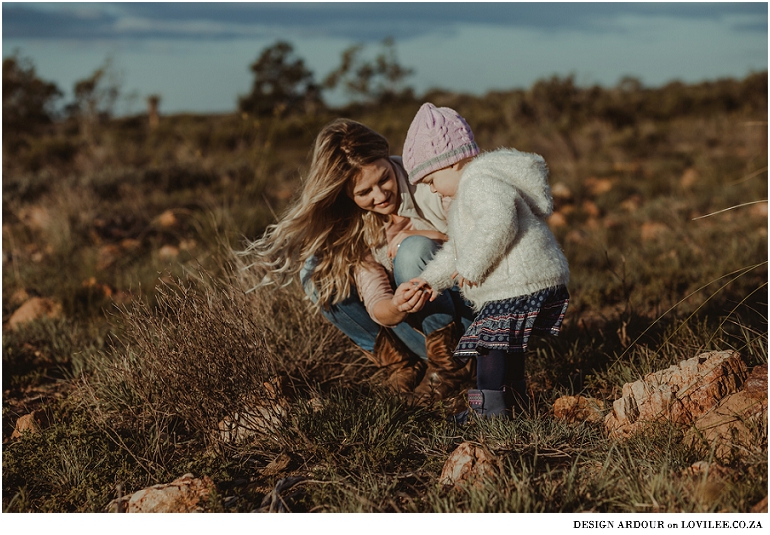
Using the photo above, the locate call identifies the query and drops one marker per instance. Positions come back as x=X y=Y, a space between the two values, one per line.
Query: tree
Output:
x=379 y=80
x=27 y=100
x=281 y=82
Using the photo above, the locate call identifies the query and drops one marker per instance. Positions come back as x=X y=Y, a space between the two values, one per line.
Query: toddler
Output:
x=500 y=250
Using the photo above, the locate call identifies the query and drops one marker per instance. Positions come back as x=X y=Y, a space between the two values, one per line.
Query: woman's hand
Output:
x=410 y=298
x=404 y=234
x=422 y=285
x=462 y=281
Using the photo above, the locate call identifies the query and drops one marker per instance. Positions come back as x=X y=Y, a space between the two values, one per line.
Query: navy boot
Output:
x=488 y=403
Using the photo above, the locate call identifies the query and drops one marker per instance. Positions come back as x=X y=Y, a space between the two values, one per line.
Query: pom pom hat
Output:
x=437 y=138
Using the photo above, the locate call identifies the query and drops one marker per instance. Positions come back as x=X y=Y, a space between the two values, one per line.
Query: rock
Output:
x=652 y=230
x=598 y=186
x=590 y=208
x=35 y=217
x=557 y=220
x=689 y=178
x=167 y=219
x=34 y=309
x=130 y=244
x=728 y=427
x=759 y=210
x=468 y=464
x=96 y=287
x=756 y=383
x=18 y=297
x=560 y=191
x=30 y=423
x=680 y=393
x=186 y=494
x=579 y=409
x=107 y=255
x=168 y=252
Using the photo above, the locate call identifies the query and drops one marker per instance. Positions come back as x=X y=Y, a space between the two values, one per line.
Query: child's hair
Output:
x=437 y=138
x=325 y=222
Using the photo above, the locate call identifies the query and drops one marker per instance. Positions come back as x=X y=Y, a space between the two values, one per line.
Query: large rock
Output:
x=186 y=494
x=468 y=464
x=34 y=309
x=680 y=394
x=729 y=427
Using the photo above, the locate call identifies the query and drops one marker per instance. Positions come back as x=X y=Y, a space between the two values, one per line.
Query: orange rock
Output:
x=30 y=423
x=107 y=255
x=557 y=220
x=167 y=219
x=35 y=309
x=597 y=186
x=652 y=230
x=579 y=409
x=590 y=208
x=680 y=394
x=168 y=252
x=467 y=464
x=689 y=178
x=18 y=297
x=561 y=192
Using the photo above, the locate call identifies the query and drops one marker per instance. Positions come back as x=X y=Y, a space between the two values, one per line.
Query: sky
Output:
x=196 y=55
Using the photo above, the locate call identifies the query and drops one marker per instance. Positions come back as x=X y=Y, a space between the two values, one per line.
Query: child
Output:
x=500 y=250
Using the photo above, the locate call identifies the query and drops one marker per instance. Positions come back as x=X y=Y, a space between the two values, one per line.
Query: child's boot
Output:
x=489 y=403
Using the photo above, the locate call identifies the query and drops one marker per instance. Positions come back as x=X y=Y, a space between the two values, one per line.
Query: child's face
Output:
x=375 y=188
x=444 y=181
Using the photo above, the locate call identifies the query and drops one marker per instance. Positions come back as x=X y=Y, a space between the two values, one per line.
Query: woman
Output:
x=356 y=235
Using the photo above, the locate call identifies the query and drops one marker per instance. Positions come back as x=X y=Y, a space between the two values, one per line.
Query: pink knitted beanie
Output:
x=437 y=138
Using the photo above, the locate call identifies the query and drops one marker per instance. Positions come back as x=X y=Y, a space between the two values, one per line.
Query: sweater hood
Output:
x=526 y=171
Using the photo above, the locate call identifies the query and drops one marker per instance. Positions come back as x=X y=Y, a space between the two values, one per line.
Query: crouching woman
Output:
x=354 y=238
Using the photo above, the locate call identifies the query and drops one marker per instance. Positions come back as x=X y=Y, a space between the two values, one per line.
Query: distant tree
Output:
x=281 y=82
x=95 y=97
x=27 y=100
x=375 y=80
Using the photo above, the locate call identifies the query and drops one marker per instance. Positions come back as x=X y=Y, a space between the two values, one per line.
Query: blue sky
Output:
x=197 y=55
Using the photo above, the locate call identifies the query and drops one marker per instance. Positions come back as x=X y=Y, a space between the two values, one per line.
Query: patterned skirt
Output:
x=506 y=325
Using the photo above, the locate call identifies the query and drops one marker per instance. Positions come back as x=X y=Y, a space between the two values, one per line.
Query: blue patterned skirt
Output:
x=506 y=325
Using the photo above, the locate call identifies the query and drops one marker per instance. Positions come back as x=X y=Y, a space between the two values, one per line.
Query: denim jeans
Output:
x=350 y=315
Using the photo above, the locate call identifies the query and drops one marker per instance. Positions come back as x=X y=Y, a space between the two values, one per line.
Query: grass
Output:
x=158 y=343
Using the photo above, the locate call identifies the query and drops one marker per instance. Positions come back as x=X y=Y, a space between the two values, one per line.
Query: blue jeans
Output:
x=350 y=315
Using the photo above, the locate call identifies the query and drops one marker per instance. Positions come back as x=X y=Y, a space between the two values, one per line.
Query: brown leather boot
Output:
x=445 y=376
x=404 y=368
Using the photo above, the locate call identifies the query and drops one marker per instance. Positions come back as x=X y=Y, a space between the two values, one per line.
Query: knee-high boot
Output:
x=445 y=375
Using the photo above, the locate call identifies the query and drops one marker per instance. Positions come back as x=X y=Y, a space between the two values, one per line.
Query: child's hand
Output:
x=409 y=298
x=461 y=281
x=423 y=286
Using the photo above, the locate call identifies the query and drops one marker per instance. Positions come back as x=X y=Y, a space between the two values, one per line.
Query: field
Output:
x=126 y=231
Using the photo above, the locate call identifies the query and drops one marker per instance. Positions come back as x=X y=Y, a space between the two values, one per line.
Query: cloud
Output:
x=355 y=21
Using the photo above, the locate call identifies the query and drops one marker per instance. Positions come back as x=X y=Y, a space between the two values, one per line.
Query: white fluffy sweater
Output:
x=498 y=236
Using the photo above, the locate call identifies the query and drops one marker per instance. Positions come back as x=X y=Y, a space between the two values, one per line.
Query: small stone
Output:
x=561 y=192
x=167 y=219
x=30 y=423
x=168 y=252
x=34 y=309
x=468 y=464
x=557 y=220
x=186 y=494
x=689 y=178
x=579 y=409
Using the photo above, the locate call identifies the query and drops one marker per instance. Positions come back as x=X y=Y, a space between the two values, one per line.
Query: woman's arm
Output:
x=386 y=307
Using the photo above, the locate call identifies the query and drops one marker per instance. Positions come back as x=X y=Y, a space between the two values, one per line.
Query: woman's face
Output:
x=375 y=188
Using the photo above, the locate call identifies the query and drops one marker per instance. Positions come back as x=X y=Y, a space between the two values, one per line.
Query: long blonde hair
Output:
x=325 y=222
